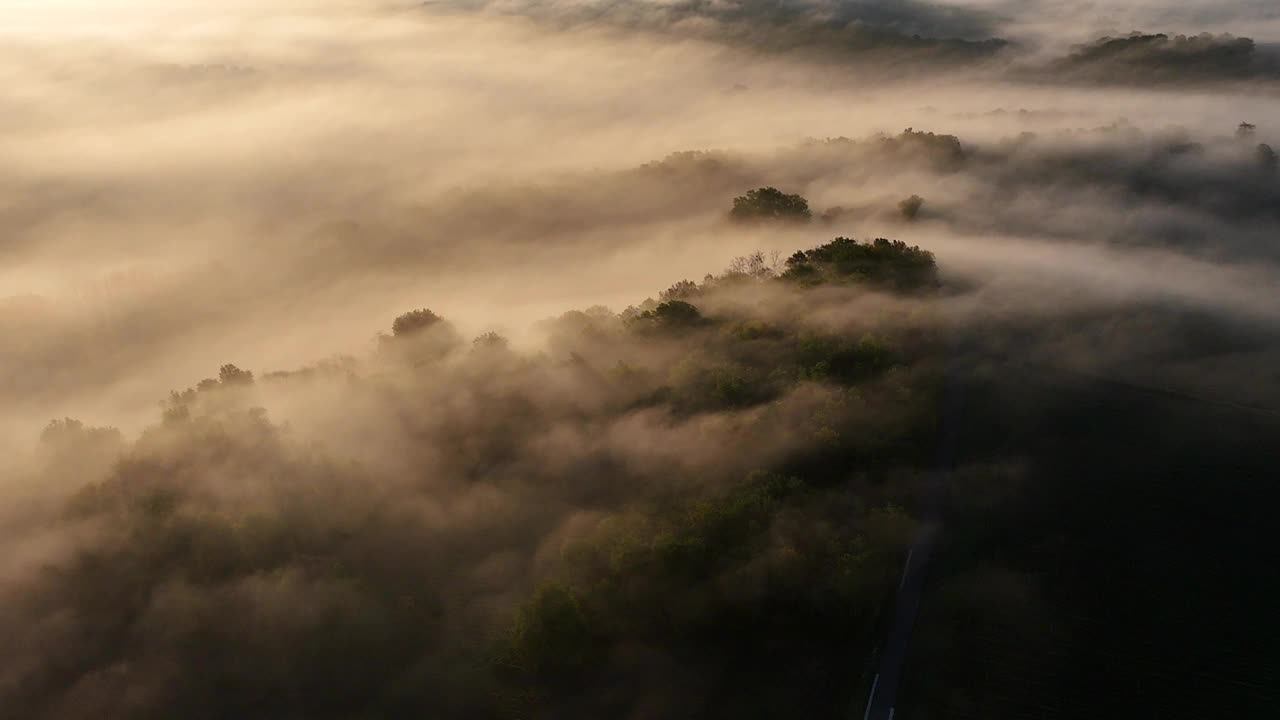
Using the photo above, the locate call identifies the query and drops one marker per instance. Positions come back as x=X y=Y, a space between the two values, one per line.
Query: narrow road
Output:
x=882 y=700
x=883 y=697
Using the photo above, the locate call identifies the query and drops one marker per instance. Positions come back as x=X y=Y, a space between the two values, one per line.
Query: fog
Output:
x=185 y=185
x=206 y=158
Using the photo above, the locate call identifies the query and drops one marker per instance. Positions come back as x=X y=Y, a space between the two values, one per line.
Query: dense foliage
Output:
x=881 y=262
x=770 y=203
x=682 y=505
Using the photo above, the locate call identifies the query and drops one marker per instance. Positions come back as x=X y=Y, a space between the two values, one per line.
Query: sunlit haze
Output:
x=543 y=359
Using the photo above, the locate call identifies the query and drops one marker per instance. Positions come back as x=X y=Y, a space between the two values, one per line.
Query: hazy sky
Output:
x=292 y=173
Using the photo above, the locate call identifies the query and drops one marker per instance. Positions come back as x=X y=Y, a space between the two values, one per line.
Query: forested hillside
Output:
x=697 y=506
x=648 y=360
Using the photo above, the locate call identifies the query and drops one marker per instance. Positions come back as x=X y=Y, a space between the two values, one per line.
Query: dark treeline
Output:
x=1159 y=59
x=893 y=39
x=878 y=35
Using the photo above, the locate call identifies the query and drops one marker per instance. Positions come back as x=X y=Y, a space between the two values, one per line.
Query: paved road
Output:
x=883 y=697
x=884 y=691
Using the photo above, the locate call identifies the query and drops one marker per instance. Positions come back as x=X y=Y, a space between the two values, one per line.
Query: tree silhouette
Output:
x=414 y=321
x=770 y=203
x=490 y=341
x=910 y=207
x=232 y=375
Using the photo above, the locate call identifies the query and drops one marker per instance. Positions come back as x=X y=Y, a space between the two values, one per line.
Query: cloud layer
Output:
x=354 y=531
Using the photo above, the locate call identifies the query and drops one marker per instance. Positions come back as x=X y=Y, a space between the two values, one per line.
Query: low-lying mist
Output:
x=350 y=518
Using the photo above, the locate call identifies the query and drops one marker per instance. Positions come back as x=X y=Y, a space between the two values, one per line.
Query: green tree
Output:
x=884 y=262
x=677 y=313
x=770 y=203
x=672 y=315
x=551 y=637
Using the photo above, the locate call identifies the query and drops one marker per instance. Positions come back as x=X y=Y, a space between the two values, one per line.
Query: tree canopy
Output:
x=414 y=321
x=512 y=531
x=770 y=203
x=882 y=262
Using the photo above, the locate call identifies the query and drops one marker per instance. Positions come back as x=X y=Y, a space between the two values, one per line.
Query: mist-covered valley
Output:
x=546 y=359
